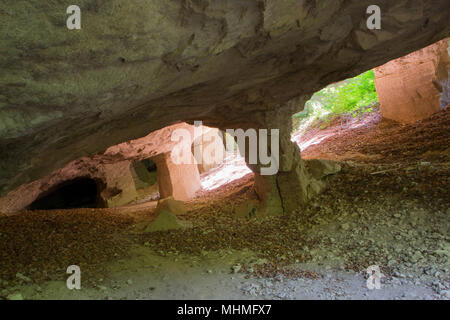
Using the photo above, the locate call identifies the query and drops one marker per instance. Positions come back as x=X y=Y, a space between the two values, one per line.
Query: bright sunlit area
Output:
x=354 y=96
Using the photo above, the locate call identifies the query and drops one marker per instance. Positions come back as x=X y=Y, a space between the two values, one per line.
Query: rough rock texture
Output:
x=145 y=180
x=116 y=170
x=117 y=184
x=122 y=176
x=443 y=75
x=114 y=181
x=321 y=168
x=294 y=184
x=205 y=148
x=409 y=88
x=138 y=66
x=180 y=181
x=120 y=184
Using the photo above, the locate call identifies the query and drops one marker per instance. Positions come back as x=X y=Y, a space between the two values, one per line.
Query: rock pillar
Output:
x=294 y=183
x=180 y=181
x=208 y=149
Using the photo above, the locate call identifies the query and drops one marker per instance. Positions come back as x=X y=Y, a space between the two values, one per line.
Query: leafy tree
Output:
x=354 y=96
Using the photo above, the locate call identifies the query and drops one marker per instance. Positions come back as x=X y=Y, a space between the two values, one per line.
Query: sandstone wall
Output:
x=139 y=66
x=118 y=169
x=115 y=178
x=119 y=176
x=205 y=147
x=410 y=88
x=180 y=181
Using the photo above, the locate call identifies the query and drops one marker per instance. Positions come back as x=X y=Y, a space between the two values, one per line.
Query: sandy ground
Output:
x=391 y=211
x=149 y=276
x=374 y=139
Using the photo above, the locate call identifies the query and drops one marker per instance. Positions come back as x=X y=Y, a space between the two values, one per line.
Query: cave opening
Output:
x=144 y=173
x=72 y=194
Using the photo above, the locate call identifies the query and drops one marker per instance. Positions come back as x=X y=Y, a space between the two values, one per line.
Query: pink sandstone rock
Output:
x=114 y=172
x=180 y=181
x=208 y=149
x=409 y=87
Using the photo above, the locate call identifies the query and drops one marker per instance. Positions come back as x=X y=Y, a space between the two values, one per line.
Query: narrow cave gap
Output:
x=144 y=174
x=230 y=164
x=149 y=164
x=340 y=101
x=71 y=194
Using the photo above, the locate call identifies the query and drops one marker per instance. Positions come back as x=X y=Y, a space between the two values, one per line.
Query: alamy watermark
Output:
x=374 y=20
x=256 y=151
x=374 y=280
x=74 y=281
x=74 y=20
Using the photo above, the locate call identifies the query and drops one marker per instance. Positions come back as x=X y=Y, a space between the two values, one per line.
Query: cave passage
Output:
x=72 y=194
x=144 y=173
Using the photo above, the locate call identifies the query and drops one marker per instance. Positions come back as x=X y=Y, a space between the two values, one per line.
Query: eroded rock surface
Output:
x=209 y=149
x=410 y=88
x=117 y=171
x=137 y=66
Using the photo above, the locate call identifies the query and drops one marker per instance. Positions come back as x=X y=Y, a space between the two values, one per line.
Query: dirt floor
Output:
x=372 y=139
x=389 y=206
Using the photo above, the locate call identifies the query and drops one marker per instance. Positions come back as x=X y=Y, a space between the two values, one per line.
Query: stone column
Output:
x=297 y=180
x=180 y=181
x=292 y=186
x=120 y=188
x=205 y=147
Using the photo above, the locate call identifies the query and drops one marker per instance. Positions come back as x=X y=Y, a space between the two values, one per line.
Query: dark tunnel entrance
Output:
x=72 y=194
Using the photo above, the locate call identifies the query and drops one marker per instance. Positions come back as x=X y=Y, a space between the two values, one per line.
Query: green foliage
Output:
x=355 y=96
x=352 y=97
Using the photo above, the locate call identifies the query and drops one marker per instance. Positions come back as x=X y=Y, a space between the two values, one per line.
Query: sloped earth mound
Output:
x=373 y=139
x=393 y=212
